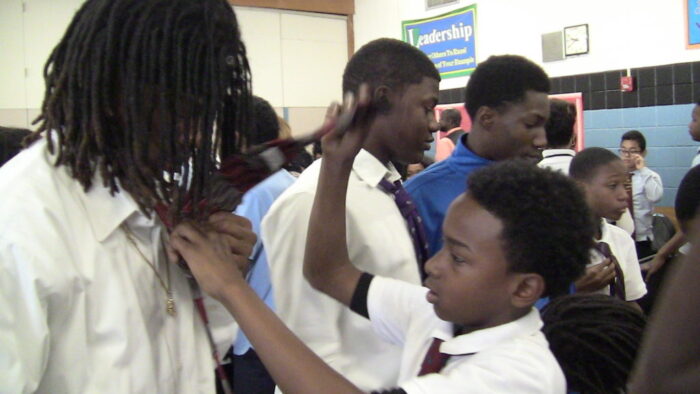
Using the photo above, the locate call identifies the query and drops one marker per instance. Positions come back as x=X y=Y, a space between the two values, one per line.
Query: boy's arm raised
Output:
x=327 y=264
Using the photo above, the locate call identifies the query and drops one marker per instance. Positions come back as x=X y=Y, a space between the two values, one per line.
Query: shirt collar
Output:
x=479 y=340
x=463 y=158
x=371 y=170
x=558 y=152
x=106 y=212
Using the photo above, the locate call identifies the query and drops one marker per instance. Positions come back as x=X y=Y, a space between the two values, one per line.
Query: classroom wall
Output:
x=296 y=58
x=623 y=33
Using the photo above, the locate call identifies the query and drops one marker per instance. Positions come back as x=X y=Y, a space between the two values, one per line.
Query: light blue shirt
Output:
x=647 y=190
x=256 y=202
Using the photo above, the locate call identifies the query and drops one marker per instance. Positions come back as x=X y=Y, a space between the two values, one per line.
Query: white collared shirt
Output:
x=557 y=159
x=510 y=358
x=80 y=310
x=647 y=190
x=378 y=241
x=622 y=247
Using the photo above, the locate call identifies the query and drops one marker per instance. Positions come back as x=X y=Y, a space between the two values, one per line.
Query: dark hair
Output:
x=688 y=196
x=451 y=116
x=11 y=142
x=635 y=135
x=137 y=88
x=503 y=79
x=300 y=162
x=265 y=125
x=595 y=339
x=547 y=227
x=560 y=126
x=586 y=163
x=317 y=149
x=389 y=62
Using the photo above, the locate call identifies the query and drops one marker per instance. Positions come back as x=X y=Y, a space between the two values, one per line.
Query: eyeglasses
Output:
x=625 y=152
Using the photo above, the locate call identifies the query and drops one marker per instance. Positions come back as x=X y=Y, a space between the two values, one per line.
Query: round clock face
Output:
x=576 y=40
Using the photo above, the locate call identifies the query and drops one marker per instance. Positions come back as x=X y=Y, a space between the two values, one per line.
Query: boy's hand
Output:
x=638 y=161
x=652 y=266
x=213 y=256
x=352 y=121
x=596 y=277
x=238 y=233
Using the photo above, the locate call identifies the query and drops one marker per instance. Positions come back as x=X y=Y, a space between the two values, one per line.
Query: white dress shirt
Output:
x=696 y=159
x=622 y=247
x=378 y=242
x=80 y=310
x=510 y=358
x=647 y=190
x=557 y=159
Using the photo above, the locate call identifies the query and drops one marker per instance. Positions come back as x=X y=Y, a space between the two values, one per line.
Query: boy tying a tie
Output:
x=614 y=268
x=481 y=333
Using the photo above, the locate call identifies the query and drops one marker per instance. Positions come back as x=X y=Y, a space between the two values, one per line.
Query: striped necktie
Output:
x=415 y=224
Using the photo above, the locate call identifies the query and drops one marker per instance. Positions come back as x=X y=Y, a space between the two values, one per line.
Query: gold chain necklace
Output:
x=170 y=301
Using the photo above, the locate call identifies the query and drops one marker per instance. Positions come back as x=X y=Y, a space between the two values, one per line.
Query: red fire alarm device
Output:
x=627 y=84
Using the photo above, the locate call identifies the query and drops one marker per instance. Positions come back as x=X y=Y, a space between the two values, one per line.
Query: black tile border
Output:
x=656 y=85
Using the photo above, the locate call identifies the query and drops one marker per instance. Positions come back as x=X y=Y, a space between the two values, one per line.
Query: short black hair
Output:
x=595 y=339
x=560 y=126
x=265 y=125
x=547 y=227
x=451 y=116
x=389 y=62
x=136 y=88
x=11 y=142
x=688 y=196
x=635 y=135
x=503 y=79
x=586 y=163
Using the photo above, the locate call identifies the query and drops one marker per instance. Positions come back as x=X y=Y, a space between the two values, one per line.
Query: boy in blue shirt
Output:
x=506 y=99
x=483 y=284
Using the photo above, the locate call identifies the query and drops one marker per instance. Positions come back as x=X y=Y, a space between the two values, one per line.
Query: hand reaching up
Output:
x=351 y=122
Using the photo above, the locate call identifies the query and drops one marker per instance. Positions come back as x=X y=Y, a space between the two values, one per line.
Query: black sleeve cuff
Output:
x=396 y=390
x=358 y=304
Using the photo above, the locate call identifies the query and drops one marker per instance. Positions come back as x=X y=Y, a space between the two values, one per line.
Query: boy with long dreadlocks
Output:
x=142 y=97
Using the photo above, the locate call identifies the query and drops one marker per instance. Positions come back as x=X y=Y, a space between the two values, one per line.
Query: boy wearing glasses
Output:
x=646 y=189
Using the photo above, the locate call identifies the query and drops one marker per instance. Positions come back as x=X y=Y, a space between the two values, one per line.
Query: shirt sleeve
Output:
x=653 y=187
x=391 y=305
x=358 y=304
x=635 y=288
x=24 y=330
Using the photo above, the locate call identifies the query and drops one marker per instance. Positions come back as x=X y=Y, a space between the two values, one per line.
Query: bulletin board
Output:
x=692 y=23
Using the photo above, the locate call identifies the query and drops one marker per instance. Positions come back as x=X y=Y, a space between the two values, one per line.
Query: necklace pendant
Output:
x=170 y=306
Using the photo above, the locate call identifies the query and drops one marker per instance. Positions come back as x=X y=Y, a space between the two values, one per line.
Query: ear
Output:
x=527 y=289
x=486 y=117
x=382 y=98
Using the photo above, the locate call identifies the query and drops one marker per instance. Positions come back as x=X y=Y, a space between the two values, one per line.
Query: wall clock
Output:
x=576 y=40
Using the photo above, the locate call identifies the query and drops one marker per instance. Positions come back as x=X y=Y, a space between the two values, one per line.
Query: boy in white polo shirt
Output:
x=602 y=174
x=482 y=284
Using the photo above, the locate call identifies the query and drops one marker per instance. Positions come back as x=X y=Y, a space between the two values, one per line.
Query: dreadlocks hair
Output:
x=595 y=339
x=148 y=94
